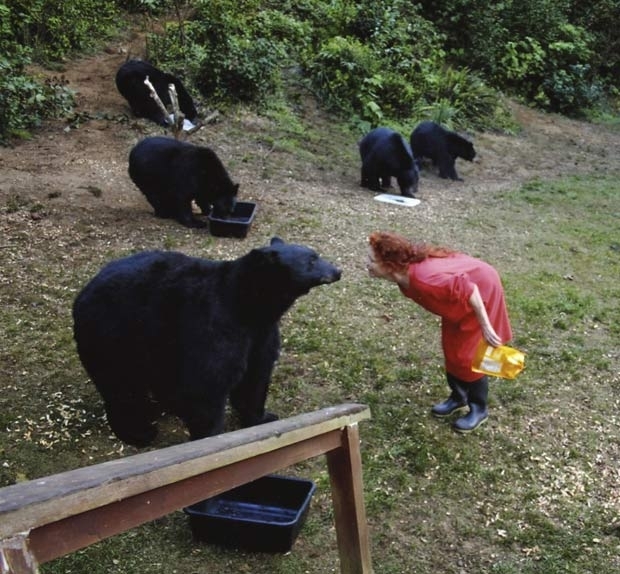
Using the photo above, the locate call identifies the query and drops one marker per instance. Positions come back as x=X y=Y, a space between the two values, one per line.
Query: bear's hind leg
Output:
x=447 y=169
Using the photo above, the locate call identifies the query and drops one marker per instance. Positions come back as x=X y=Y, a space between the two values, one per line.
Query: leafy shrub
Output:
x=54 y=29
x=554 y=53
x=345 y=73
x=147 y=6
x=571 y=85
x=600 y=19
x=234 y=51
x=462 y=96
x=24 y=101
x=558 y=77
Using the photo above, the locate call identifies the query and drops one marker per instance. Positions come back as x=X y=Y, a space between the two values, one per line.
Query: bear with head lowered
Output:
x=130 y=83
x=431 y=140
x=172 y=174
x=162 y=331
x=386 y=154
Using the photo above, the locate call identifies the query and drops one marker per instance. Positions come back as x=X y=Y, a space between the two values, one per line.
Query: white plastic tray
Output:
x=397 y=199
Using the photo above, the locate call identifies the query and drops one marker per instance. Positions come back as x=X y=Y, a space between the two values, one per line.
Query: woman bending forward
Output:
x=467 y=294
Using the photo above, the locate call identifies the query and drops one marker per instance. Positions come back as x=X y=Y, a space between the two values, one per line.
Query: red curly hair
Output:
x=395 y=253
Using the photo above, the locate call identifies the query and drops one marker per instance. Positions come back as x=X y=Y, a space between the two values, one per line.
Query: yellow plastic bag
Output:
x=502 y=361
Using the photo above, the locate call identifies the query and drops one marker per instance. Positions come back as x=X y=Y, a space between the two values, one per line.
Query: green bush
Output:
x=24 y=101
x=233 y=52
x=147 y=6
x=392 y=66
x=558 y=54
x=371 y=61
x=54 y=30
x=346 y=75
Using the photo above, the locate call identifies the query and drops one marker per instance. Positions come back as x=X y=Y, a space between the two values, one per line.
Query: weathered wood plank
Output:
x=32 y=504
x=16 y=556
x=75 y=532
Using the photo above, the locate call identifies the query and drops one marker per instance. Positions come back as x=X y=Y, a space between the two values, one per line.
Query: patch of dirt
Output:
x=85 y=166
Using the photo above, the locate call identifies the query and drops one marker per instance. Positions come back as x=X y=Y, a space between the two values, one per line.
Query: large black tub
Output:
x=262 y=516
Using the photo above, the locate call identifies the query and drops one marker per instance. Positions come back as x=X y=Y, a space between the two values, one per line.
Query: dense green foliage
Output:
x=372 y=62
x=368 y=61
x=43 y=31
x=24 y=101
x=54 y=30
x=560 y=54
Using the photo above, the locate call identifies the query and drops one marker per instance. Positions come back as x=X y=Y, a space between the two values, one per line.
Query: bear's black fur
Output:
x=163 y=331
x=442 y=146
x=130 y=83
x=384 y=154
x=172 y=174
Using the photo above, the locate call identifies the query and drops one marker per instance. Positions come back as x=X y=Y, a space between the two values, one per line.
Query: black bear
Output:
x=130 y=83
x=442 y=146
x=162 y=331
x=385 y=153
x=172 y=174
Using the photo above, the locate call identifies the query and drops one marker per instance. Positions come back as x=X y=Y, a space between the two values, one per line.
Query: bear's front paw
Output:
x=269 y=417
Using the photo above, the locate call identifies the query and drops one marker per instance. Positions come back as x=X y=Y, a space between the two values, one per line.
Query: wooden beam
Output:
x=75 y=532
x=29 y=505
x=44 y=519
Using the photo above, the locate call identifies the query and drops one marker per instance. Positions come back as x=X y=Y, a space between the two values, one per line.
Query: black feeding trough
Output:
x=237 y=224
x=265 y=515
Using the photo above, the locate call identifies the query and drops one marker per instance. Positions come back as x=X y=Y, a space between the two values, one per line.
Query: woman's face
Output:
x=374 y=267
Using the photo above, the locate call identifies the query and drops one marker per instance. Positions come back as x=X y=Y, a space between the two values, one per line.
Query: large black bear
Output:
x=172 y=174
x=442 y=146
x=130 y=83
x=161 y=330
x=384 y=154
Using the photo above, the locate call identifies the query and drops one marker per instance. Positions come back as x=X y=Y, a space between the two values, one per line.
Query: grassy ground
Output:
x=536 y=490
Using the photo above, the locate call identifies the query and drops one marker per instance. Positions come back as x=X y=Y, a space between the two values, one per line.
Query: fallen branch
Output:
x=155 y=96
x=177 y=114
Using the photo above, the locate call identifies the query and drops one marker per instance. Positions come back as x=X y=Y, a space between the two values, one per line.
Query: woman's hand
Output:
x=490 y=336
x=488 y=332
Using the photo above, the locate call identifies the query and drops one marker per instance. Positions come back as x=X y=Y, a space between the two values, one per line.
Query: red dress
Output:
x=443 y=286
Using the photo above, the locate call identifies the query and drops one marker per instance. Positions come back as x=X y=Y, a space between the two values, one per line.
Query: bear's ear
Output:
x=276 y=241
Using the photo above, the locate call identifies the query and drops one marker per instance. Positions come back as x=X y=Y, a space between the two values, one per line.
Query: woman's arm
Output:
x=475 y=300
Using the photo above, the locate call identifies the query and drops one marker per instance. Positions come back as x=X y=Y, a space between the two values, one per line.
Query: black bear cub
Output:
x=384 y=154
x=130 y=83
x=172 y=174
x=442 y=146
x=162 y=331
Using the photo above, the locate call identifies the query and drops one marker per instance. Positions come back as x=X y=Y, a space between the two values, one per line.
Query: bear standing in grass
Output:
x=384 y=154
x=442 y=146
x=172 y=174
x=163 y=331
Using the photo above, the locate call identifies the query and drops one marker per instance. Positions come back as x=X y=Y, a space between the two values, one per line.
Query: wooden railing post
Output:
x=345 y=473
x=15 y=556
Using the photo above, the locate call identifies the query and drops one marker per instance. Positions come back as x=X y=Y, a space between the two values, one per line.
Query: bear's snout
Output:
x=332 y=275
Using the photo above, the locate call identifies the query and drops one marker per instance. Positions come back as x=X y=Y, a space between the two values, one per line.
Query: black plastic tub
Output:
x=237 y=224
x=262 y=516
